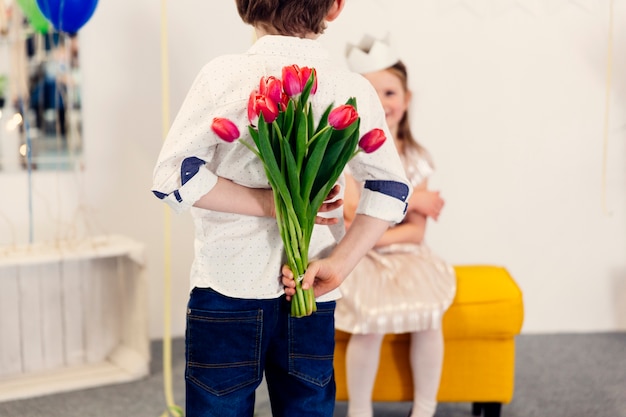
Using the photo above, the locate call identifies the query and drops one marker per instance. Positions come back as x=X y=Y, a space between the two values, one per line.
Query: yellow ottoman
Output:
x=479 y=332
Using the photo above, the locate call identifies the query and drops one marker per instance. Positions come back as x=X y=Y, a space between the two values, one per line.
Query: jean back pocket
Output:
x=223 y=349
x=312 y=345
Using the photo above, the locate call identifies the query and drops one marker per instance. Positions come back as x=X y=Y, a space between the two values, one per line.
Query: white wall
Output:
x=509 y=98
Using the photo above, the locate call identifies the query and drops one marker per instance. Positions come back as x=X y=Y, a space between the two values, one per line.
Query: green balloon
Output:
x=34 y=15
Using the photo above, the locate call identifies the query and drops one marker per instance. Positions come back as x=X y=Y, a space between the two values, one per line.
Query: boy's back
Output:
x=223 y=88
x=238 y=324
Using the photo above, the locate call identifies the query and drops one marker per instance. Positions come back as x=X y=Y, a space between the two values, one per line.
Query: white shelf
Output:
x=73 y=315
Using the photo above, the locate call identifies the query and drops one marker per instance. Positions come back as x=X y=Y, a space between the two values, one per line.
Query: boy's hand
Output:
x=288 y=282
x=321 y=274
x=329 y=205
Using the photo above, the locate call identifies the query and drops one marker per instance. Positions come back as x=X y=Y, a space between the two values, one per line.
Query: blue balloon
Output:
x=67 y=15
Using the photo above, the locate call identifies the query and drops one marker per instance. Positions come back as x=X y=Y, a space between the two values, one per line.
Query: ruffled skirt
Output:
x=402 y=288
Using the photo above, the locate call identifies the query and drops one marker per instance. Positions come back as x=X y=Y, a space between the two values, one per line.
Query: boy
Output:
x=238 y=322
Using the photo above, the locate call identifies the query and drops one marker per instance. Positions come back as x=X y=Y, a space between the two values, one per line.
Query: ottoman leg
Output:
x=490 y=409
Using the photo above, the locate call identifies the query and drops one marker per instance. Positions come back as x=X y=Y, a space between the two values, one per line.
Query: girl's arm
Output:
x=425 y=201
x=411 y=230
x=350 y=200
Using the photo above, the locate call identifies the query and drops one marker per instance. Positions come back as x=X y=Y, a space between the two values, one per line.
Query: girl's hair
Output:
x=287 y=17
x=404 y=127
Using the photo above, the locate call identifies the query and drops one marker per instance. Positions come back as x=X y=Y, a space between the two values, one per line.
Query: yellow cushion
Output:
x=488 y=304
x=479 y=355
x=479 y=370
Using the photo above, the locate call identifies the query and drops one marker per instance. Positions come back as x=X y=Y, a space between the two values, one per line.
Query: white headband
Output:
x=371 y=55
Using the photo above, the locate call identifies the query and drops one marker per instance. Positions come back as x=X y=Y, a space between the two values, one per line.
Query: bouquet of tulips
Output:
x=302 y=161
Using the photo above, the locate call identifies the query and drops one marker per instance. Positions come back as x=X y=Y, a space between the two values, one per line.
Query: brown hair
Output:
x=404 y=126
x=286 y=17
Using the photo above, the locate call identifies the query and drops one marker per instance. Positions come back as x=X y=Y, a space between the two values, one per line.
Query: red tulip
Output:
x=372 y=140
x=260 y=104
x=253 y=116
x=225 y=129
x=305 y=74
x=271 y=87
x=342 y=116
x=284 y=101
x=295 y=78
x=291 y=80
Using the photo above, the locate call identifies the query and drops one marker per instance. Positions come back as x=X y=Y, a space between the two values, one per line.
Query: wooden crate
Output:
x=73 y=315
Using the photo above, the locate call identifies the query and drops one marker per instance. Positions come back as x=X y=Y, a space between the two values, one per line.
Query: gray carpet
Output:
x=560 y=375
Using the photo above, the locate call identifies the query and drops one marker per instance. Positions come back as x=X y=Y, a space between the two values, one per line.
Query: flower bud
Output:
x=291 y=80
x=225 y=129
x=372 y=140
x=271 y=87
x=305 y=74
x=342 y=116
x=284 y=102
x=260 y=104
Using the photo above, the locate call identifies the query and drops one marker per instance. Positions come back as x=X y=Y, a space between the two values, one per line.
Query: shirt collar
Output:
x=278 y=45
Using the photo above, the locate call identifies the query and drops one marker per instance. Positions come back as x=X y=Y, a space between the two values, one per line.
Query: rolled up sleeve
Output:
x=181 y=175
x=184 y=197
x=386 y=189
x=386 y=200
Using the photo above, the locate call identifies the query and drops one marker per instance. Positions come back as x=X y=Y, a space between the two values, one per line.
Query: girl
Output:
x=400 y=286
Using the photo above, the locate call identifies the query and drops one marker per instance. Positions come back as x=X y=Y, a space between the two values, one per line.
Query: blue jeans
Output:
x=231 y=342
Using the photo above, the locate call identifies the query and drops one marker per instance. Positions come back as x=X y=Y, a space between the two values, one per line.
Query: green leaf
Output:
x=339 y=151
x=288 y=119
x=314 y=161
x=293 y=177
x=274 y=135
x=255 y=135
x=301 y=139
x=310 y=121
x=306 y=91
x=271 y=164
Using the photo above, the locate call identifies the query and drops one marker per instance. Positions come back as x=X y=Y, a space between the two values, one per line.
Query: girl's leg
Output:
x=362 y=357
x=426 y=363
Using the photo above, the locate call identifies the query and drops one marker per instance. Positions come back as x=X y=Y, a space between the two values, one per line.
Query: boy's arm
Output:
x=230 y=197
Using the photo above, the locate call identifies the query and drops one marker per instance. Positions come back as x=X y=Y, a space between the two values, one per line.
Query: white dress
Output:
x=399 y=288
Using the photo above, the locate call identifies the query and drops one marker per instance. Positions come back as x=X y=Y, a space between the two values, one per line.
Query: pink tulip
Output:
x=284 y=101
x=271 y=87
x=260 y=104
x=342 y=116
x=291 y=80
x=295 y=78
x=253 y=116
x=305 y=74
x=225 y=129
x=372 y=140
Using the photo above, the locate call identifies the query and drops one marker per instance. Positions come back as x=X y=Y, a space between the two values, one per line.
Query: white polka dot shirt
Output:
x=241 y=256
